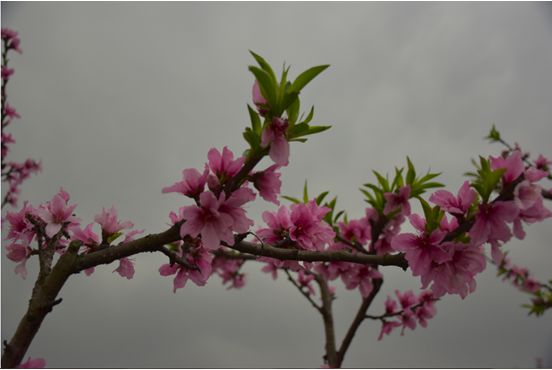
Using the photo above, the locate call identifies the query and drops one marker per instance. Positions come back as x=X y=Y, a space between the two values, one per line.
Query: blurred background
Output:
x=117 y=98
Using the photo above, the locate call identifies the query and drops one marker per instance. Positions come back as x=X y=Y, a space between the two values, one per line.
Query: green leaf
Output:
x=321 y=197
x=291 y=199
x=252 y=138
x=255 y=120
x=283 y=86
x=431 y=185
x=317 y=129
x=301 y=129
x=429 y=176
x=309 y=116
x=293 y=111
x=266 y=84
x=411 y=173
x=305 y=193
x=494 y=135
x=304 y=78
x=398 y=180
x=114 y=236
x=339 y=214
x=301 y=140
x=383 y=182
x=264 y=65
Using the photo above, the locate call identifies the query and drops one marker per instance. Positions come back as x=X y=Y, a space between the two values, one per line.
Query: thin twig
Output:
x=305 y=294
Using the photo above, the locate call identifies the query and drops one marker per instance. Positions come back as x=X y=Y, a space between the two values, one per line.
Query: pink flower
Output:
x=408 y=320
x=399 y=200
x=126 y=268
x=272 y=269
x=360 y=276
x=542 y=163
x=279 y=223
x=11 y=112
x=456 y=276
x=490 y=222
x=86 y=236
x=131 y=234
x=233 y=207
x=309 y=229
x=513 y=165
x=192 y=184
x=268 y=183
x=537 y=212
x=207 y=219
x=57 y=213
x=11 y=39
x=422 y=249
x=21 y=269
x=228 y=270
x=534 y=174
x=406 y=299
x=455 y=205
x=427 y=309
x=17 y=252
x=109 y=222
x=356 y=230
x=387 y=327
x=258 y=97
x=223 y=165
x=32 y=363
x=275 y=136
x=526 y=194
x=390 y=305
x=197 y=256
x=305 y=281
x=20 y=228
x=6 y=72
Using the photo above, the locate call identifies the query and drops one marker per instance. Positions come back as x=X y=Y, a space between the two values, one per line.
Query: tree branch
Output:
x=359 y=318
x=331 y=353
x=312 y=256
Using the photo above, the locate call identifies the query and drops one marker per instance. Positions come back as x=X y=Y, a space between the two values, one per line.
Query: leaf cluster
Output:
x=374 y=192
x=486 y=180
x=282 y=96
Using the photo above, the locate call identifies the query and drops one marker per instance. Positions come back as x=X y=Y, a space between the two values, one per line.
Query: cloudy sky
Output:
x=117 y=98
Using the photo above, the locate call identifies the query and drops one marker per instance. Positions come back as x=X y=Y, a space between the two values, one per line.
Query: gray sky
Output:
x=117 y=98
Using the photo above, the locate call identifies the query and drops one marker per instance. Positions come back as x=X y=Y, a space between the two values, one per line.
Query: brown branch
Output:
x=312 y=256
x=42 y=302
x=326 y=310
x=359 y=318
x=148 y=243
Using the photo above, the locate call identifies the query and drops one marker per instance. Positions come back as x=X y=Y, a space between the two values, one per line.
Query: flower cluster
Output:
x=217 y=215
x=301 y=223
x=13 y=173
x=53 y=225
x=447 y=254
x=413 y=309
x=518 y=276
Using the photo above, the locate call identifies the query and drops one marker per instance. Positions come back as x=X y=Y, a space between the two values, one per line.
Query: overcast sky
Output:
x=117 y=98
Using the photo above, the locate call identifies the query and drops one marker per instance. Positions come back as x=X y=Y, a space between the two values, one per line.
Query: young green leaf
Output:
x=255 y=120
x=264 y=65
x=304 y=78
x=268 y=88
